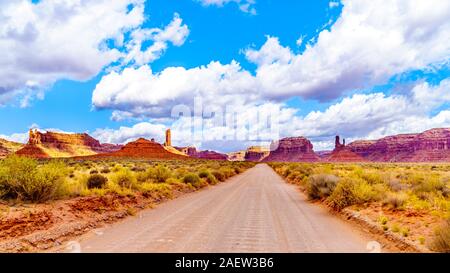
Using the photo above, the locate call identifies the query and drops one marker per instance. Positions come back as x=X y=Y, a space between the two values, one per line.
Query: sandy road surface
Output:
x=253 y=212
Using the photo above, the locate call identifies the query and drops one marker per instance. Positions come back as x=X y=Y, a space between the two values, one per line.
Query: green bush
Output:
x=227 y=172
x=203 y=173
x=105 y=170
x=24 y=179
x=156 y=190
x=219 y=175
x=161 y=174
x=96 y=181
x=211 y=179
x=125 y=179
x=321 y=185
x=351 y=191
x=191 y=178
x=395 y=200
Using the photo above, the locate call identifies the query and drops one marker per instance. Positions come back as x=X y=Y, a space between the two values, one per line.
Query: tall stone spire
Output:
x=168 y=138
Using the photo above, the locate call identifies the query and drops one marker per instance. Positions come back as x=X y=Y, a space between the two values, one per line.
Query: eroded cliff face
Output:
x=430 y=146
x=63 y=145
x=292 y=149
x=256 y=153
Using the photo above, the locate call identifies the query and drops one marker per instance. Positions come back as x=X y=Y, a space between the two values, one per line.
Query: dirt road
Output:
x=253 y=212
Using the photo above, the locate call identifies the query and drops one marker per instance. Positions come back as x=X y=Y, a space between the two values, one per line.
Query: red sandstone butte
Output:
x=69 y=144
x=142 y=148
x=292 y=149
x=32 y=150
x=256 y=153
x=430 y=146
x=342 y=153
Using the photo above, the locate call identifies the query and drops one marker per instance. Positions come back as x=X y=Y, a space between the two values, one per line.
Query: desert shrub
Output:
x=24 y=179
x=431 y=184
x=343 y=195
x=96 y=181
x=116 y=168
x=156 y=190
x=396 y=185
x=93 y=172
x=321 y=185
x=351 y=191
x=219 y=175
x=203 y=173
x=227 y=172
x=395 y=200
x=211 y=179
x=372 y=178
x=146 y=176
x=191 y=178
x=105 y=170
x=161 y=174
x=181 y=172
x=441 y=240
x=137 y=169
x=174 y=181
x=124 y=178
x=383 y=220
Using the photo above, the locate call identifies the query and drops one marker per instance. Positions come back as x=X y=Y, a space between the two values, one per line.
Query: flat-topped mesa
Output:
x=58 y=140
x=52 y=144
x=256 y=153
x=361 y=147
x=292 y=149
x=430 y=146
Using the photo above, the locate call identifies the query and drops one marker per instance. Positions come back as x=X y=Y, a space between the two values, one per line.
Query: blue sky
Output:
x=351 y=91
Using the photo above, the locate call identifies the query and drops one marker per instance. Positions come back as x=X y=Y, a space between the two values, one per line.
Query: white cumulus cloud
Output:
x=46 y=41
x=370 y=42
x=244 y=5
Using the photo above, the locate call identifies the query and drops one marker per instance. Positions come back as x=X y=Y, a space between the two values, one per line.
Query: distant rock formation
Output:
x=53 y=144
x=190 y=151
x=236 y=156
x=168 y=138
x=256 y=153
x=342 y=153
x=361 y=147
x=8 y=147
x=32 y=150
x=193 y=152
x=292 y=149
x=430 y=146
x=211 y=155
x=142 y=148
x=323 y=154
